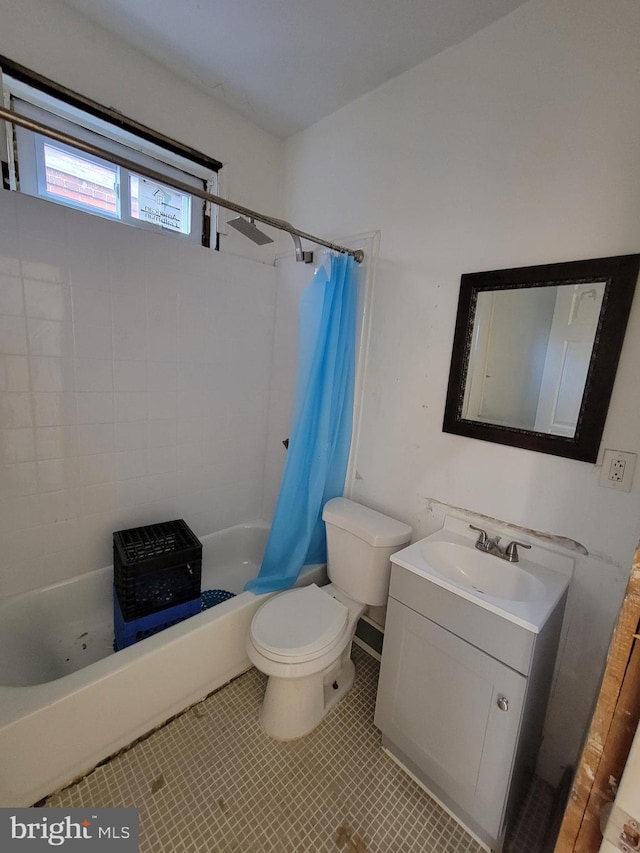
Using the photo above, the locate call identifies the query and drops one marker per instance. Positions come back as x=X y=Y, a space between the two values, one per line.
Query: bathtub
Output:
x=67 y=701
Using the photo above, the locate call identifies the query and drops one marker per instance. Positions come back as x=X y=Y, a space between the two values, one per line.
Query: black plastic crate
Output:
x=156 y=567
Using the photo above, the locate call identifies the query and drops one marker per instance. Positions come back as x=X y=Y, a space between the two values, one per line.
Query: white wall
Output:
x=51 y=38
x=516 y=147
x=134 y=387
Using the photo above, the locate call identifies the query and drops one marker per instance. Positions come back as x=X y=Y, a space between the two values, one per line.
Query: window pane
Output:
x=81 y=181
x=160 y=205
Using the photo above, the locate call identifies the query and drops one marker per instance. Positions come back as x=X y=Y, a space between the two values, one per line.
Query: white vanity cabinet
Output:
x=461 y=698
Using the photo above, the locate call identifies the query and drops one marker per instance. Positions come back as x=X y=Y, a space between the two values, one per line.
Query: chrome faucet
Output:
x=491 y=546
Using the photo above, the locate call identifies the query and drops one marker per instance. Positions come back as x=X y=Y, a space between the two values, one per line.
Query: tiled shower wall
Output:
x=134 y=387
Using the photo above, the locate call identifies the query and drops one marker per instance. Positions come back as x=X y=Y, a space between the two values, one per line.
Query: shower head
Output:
x=250 y=230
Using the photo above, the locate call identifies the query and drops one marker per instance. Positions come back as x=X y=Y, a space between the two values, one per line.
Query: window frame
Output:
x=138 y=143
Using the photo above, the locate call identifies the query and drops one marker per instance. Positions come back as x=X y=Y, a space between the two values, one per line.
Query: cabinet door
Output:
x=438 y=702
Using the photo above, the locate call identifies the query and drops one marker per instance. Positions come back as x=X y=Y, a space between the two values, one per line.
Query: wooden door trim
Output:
x=608 y=741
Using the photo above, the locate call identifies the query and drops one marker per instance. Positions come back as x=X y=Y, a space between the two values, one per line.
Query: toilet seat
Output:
x=299 y=625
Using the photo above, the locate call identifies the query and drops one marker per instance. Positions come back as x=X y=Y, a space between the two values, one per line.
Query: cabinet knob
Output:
x=503 y=703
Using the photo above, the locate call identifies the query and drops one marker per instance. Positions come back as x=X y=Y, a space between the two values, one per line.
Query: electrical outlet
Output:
x=617 y=470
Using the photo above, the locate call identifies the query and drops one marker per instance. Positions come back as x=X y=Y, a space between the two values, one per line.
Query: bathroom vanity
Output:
x=469 y=650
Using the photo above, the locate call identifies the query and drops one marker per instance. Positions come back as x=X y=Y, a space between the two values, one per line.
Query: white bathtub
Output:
x=67 y=701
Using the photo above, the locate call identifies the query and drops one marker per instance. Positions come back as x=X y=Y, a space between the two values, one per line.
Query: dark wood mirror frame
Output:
x=620 y=275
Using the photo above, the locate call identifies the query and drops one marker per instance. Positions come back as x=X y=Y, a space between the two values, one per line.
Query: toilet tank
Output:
x=360 y=542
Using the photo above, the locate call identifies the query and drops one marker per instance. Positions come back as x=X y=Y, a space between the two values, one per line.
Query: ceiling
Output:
x=285 y=64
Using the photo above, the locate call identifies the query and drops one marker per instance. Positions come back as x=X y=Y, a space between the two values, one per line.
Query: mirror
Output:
x=535 y=354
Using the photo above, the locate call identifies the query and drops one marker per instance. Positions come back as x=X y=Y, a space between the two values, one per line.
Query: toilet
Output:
x=302 y=638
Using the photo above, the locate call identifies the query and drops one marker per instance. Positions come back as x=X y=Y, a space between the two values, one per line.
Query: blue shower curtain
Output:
x=320 y=437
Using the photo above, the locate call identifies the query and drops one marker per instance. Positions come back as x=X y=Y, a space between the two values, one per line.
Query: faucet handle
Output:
x=483 y=539
x=511 y=551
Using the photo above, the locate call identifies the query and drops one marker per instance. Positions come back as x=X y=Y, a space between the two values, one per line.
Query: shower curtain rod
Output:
x=89 y=148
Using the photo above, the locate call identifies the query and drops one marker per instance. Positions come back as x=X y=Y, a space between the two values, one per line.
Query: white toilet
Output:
x=301 y=638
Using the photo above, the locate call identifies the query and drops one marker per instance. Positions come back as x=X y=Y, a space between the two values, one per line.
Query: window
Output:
x=61 y=173
x=76 y=179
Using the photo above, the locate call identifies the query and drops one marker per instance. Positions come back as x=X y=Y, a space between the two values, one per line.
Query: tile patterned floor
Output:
x=534 y=816
x=210 y=780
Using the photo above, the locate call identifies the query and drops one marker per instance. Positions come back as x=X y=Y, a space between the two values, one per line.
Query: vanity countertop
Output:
x=524 y=593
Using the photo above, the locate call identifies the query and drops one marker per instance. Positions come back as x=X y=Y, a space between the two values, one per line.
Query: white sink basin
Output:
x=483 y=573
x=524 y=592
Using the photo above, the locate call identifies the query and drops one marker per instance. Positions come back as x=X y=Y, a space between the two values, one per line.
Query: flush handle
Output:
x=503 y=703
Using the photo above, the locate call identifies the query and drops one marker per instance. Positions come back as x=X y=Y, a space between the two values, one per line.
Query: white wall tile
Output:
x=54 y=409
x=95 y=407
x=43 y=259
x=162 y=486
x=162 y=376
x=93 y=340
x=58 y=535
x=15 y=410
x=129 y=326
x=15 y=548
x=9 y=217
x=190 y=480
x=163 y=433
x=99 y=497
x=86 y=273
x=88 y=236
x=130 y=464
x=161 y=460
x=130 y=375
x=133 y=376
x=55 y=442
x=14 y=371
x=162 y=404
x=13 y=335
x=162 y=282
x=52 y=374
x=18 y=479
x=17 y=445
x=58 y=474
x=96 y=438
x=20 y=513
x=130 y=406
x=129 y=276
x=128 y=252
x=189 y=456
x=162 y=329
x=50 y=337
x=60 y=505
x=131 y=493
x=94 y=374
x=192 y=429
x=9 y=253
x=39 y=220
x=47 y=300
x=131 y=435
x=97 y=468
x=89 y=260
x=11 y=299
x=91 y=307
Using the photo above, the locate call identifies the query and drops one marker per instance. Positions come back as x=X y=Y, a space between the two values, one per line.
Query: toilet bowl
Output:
x=302 y=638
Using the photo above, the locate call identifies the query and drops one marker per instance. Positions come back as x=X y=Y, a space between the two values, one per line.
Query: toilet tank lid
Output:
x=367 y=524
